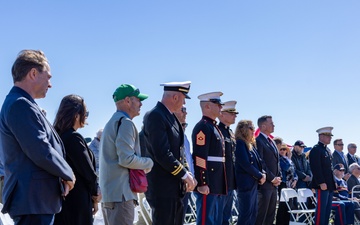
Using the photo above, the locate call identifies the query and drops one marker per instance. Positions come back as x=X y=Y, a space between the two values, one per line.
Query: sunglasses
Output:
x=283 y=149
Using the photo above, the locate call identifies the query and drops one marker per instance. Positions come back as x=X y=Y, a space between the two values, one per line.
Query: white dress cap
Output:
x=229 y=106
x=325 y=131
x=213 y=97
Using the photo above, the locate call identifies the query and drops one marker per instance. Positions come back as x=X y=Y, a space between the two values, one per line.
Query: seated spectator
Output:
x=353 y=180
x=289 y=180
x=351 y=157
x=341 y=195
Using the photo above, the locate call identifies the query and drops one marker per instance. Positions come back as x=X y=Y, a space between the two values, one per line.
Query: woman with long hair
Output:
x=80 y=204
x=248 y=171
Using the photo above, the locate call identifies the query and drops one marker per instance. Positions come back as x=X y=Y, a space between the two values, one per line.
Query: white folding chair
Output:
x=191 y=216
x=296 y=214
x=303 y=195
x=355 y=192
x=5 y=219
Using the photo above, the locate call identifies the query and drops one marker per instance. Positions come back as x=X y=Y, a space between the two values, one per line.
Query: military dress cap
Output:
x=213 y=97
x=229 y=106
x=183 y=87
x=339 y=167
x=300 y=143
x=128 y=90
x=325 y=131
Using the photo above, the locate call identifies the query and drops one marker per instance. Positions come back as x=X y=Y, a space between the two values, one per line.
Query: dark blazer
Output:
x=208 y=142
x=33 y=157
x=351 y=160
x=230 y=145
x=351 y=182
x=270 y=159
x=77 y=207
x=320 y=164
x=164 y=145
x=248 y=167
x=336 y=159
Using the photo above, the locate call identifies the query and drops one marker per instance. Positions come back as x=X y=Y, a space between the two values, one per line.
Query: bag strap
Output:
x=117 y=130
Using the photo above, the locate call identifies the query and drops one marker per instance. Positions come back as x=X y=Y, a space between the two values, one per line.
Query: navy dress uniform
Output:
x=164 y=137
x=321 y=166
x=230 y=145
x=209 y=164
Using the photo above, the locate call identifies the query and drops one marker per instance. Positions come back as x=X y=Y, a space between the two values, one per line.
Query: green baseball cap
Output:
x=128 y=90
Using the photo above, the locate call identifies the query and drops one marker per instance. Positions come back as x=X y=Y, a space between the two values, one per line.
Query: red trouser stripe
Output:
x=203 y=213
x=318 y=210
x=340 y=213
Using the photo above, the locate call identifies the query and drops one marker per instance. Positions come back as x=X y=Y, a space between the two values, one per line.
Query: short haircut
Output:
x=263 y=119
x=352 y=167
x=27 y=60
x=336 y=140
x=278 y=140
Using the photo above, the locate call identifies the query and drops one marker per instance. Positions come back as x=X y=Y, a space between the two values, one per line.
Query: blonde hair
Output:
x=242 y=133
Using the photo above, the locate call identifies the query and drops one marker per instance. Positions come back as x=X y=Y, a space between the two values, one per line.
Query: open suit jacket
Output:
x=164 y=143
x=270 y=159
x=337 y=159
x=351 y=160
x=33 y=157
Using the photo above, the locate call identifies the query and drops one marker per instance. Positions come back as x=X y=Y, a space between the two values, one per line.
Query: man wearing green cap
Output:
x=119 y=152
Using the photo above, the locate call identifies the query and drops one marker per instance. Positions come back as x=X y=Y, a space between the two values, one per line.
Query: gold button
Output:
x=175 y=166
x=180 y=158
x=203 y=171
x=203 y=177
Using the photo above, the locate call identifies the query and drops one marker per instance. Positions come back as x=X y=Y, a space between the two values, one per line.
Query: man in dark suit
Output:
x=351 y=157
x=168 y=179
x=36 y=173
x=267 y=194
x=338 y=157
x=323 y=179
x=209 y=161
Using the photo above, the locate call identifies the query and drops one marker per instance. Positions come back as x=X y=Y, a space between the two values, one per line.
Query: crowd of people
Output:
x=51 y=175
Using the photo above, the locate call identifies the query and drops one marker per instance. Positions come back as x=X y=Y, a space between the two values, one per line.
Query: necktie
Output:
x=272 y=144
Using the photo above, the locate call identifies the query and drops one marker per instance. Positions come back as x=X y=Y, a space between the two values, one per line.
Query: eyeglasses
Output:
x=353 y=147
x=283 y=149
x=184 y=125
x=87 y=114
x=183 y=109
x=340 y=144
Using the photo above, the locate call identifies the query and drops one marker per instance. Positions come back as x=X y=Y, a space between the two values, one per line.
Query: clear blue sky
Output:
x=298 y=61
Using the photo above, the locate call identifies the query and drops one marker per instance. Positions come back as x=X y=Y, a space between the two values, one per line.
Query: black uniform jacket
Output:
x=320 y=164
x=164 y=145
x=208 y=150
x=230 y=145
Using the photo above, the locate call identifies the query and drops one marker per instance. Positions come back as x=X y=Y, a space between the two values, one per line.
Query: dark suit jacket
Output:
x=336 y=159
x=351 y=182
x=351 y=160
x=33 y=156
x=270 y=159
x=164 y=145
x=248 y=167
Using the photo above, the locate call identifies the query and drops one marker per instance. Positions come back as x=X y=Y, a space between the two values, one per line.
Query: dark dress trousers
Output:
x=33 y=157
x=77 y=207
x=267 y=194
x=164 y=144
x=248 y=170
